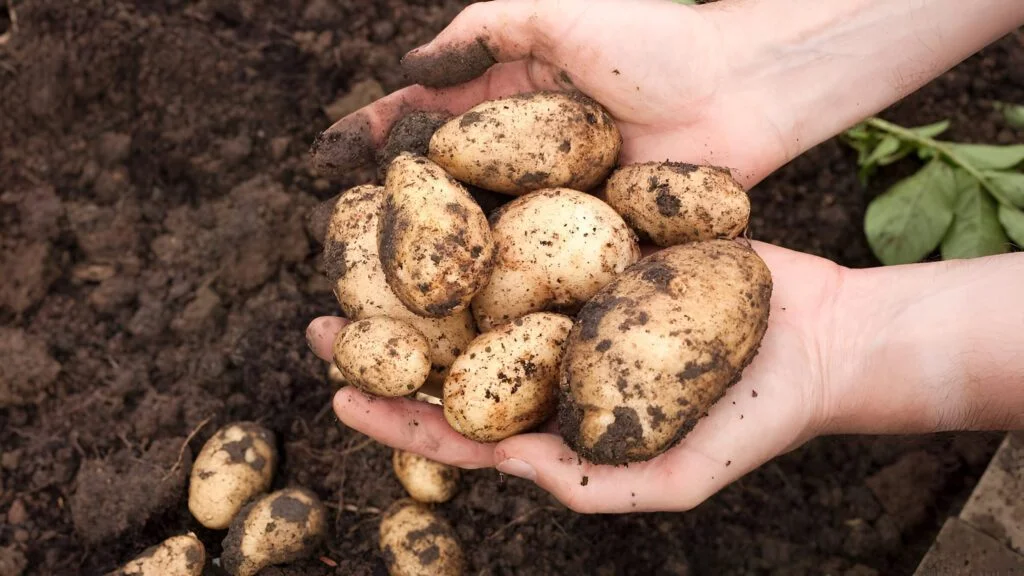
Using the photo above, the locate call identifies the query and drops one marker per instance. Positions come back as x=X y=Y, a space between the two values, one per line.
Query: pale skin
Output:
x=747 y=84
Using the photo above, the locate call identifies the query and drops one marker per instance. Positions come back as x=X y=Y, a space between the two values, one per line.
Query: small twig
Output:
x=181 y=451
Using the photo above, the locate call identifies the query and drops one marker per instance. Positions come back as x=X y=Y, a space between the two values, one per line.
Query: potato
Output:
x=182 y=555
x=556 y=249
x=334 y=375
x=424 y=479
x=506 y=381
x=281 y=527
x=382 y=356
x=672 y=203
x=656 y=348
x=353 y=266
x=416 y=541
x=527 y=142
x=434 y=241
x=234 y=466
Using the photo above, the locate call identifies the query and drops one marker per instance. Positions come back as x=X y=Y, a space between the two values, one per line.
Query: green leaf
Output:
x=1012 y=220
x=1009 y=184
x=987 y=157
x=976 y=230
x=886 y=147
x=931 y=130
x=1013 y=113
x=908 y=221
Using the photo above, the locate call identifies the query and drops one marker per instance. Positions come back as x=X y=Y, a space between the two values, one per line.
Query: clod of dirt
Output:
x=105 y=233
x=111 y=185
x=907 y=488
x=410 y=134
x=448 y=66
x=200 y=313
x=30 y=268
x=113 y=148
x=12 y=561
x=113 y=294
x=26 y=368
x=360 y=94
x=39 y=210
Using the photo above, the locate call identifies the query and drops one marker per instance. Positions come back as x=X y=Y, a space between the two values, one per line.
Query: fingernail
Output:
x=517 y=468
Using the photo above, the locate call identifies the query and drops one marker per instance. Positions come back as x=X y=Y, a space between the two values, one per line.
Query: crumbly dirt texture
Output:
x=151 y=297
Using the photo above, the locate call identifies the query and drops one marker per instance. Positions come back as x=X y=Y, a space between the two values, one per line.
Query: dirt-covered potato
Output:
x=424 y=479
x=352 y=265
x=234 y=466
x=649 y=355
x=416 y=541
x=556 y=248
x=182 y=555
x=527 y=142
x=434 y=241
x=672 y=203
x=281 y=527
x=506 y=382
x=382 y=356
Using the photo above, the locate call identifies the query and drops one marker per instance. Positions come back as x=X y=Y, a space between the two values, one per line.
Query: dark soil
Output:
x=157 y=274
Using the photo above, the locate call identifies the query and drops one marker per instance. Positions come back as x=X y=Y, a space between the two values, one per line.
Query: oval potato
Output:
x=182 y=555
x=235 y=465
x=506 y=381
x=673 y=203
x=382 y=356
x=434 y=241
x=555 y=249
x=527 y=142
x=416 y=541
x=424 y=479
x=281 y=527
x=653 y=351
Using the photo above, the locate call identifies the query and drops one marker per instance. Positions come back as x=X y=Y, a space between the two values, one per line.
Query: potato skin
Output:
x=556 y=248
x=673 y=203
x=506 y=381
x=352 y=264
x=527 y=142
x=182 y=555
x=416 y=541
x=434 y=241
x=424 y=479
x=654 y=350
x=281 y=527
x=234 y=466
x=382 y=356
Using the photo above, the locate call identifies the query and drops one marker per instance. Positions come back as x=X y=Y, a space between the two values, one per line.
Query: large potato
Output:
x=506 y=381
x=527 y=142
x=416 y=541
x=235 y=465
x=434 y=241
x=382 y=356
x=182 y=555
x=650 y=354
x=672 y=203
x=424 y=479
x=556 y=249
x=353 y=266
x=279 y=528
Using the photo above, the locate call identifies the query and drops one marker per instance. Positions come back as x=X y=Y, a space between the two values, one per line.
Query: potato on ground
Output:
x=182 y=555
x=654 y=350
x=506 y=382
x=556 y=249
x=424 y=479
x=416 y=541
x=281 y=527
x=434 y=241
x=527 y=142
x=382 y=356
x=234 y=466
x=672 y=203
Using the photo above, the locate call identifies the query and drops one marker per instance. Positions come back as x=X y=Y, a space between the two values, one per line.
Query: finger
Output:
x=320 y=335
x=412 y=426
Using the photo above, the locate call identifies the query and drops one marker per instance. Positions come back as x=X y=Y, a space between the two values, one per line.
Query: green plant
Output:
x=966 y=200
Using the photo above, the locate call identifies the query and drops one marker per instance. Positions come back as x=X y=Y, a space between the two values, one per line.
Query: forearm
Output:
x=929 y=347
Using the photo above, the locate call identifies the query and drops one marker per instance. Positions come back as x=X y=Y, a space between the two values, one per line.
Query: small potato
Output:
x=506 y=381
x=234 y=466
x=653 y=351
x=383 y=356
x=279 y=528
x=672 y=203
x=434 y=241
x=556 y=249
x=527 y=142
x=334 y=375
x=416 y=541
x=424 y=479
x=182 y=555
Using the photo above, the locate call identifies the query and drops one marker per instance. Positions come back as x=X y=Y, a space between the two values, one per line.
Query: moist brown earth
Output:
x=157 y=272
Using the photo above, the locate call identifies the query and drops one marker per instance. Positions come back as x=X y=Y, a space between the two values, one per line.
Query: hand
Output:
x=780 y=403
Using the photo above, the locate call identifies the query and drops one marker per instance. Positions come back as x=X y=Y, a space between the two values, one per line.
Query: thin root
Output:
x=181 y=451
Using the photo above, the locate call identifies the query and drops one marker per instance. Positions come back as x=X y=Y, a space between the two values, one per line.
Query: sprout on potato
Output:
x=383 y=356
x=281 y=527
x=182 y=555
x=424 y=479
x=416 y=541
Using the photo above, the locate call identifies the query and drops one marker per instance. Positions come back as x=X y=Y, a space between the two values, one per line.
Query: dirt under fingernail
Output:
x=346 y=145
x=449 y=66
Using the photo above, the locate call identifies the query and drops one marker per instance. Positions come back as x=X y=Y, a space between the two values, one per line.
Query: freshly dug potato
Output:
x=234 y=466
x=434 y=241
x=672 y=203
x=353 y=266
x=416 y=541
x=334 y=375
x=383 y=356
x=527 y=142
x=650 y=353
x=281 y=527
x=556 y=249
x=182 y=555
x=424 y=479
x=506 y=381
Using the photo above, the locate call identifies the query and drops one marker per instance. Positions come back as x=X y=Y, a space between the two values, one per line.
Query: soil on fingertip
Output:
x=159 y=271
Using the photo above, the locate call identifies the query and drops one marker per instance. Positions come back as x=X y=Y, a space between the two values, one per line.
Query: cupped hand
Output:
x=671 y=75
x=778 y=404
